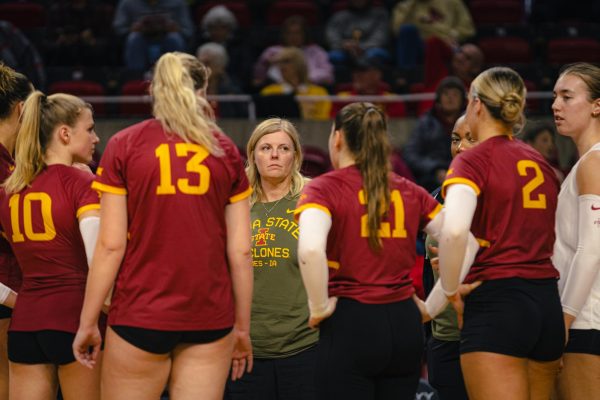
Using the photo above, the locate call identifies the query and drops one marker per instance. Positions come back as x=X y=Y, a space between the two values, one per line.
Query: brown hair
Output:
x=365 y=129
x=588 y=73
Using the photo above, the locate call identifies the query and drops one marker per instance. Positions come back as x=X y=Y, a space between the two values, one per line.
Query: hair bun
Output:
x=511 y=107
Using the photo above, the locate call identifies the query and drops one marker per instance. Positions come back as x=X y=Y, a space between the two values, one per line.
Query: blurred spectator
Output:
x=359 y=30
x=367 y=80
x=543 y=139
x=78 y=32
x=17 y=52
x=214 y=56
x=152 y=28
x=427 y=151
x=295 y=81
x=465 y=62
x=219 y=25
x=416 y=23
x=294 y=34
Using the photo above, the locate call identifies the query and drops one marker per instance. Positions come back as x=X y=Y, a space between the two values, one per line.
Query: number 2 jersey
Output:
x=355 y=270
x=516 y=202
x=42 y=226
x=174 y=275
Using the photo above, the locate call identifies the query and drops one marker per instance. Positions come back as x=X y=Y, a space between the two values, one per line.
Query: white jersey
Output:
x=565 y=246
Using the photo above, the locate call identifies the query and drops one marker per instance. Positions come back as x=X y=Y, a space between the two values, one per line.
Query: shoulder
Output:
x=588 y=174
x=132 y=132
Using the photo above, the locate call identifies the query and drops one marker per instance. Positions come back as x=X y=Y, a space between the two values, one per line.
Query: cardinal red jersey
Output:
x=514 y=220
x=10 y=273
x=174 y=275
x=355 y=270
x=41 y=224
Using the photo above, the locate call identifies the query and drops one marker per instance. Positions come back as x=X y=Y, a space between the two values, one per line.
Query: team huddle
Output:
x=178 y=267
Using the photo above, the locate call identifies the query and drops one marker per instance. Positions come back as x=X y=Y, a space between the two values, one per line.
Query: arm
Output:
x=314 y=227
x=108 y=255
x=89 y=225
x=586 y=262
x=322 y=70
x=8 y=297
x=237 y=220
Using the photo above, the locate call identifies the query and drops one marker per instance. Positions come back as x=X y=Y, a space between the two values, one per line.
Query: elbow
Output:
x=309 y=254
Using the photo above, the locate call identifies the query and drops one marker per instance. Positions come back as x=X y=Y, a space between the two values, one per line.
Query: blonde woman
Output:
x=175 y=236
x=576 y=111
x=49 y=213
x=283 y=344
x=505 y=193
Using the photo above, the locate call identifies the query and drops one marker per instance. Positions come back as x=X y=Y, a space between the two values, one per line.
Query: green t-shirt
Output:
x=445 y=325
x=279 y=325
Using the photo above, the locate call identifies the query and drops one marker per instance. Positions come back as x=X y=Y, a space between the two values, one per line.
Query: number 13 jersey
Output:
x=174 y=275
x=517 y=193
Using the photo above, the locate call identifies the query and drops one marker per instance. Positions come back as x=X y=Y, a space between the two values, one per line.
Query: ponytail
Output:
x=365 y=129
x=41 y=115
x=177 y=77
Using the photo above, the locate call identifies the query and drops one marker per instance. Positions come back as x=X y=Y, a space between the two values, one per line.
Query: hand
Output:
x=425 y=317
x=84 y=339
x=456 y=300
x=569 y=319
x=316 y=319
x=242 y=354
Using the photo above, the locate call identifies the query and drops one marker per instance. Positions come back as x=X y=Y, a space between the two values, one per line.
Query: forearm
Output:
x=242 y=282
x=8 y=297
x=312 y=257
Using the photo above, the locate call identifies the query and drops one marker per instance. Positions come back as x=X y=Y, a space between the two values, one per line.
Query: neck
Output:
x=52 y=157
x=275 y=189
x=588 y=138
x=346 y=159
x=8 y=134
x=490 y=128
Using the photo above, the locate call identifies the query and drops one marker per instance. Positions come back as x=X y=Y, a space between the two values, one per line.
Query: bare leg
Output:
x=491 y=376
x=79 y=382
x=541 y=378
x=32 y=382
x=579 y=378
x=4 y=358
x=200 y=370
x=129 y=373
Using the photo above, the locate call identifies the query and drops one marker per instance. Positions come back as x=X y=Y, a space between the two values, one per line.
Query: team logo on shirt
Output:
x=260 y=239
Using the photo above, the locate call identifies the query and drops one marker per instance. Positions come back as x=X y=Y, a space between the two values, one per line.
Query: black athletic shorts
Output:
x=516 y=317
x=584 y=341
x=162 y=342
x=5 y=312
x=41 y=347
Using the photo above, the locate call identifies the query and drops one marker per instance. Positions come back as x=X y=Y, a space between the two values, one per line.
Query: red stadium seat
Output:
x=489 y=12
x=238 y=8
x=81 y=89
x=567 y=50
x=279 y=11
x=507 y=49
x=24 y=15
x=135 y=88
x=316 y=161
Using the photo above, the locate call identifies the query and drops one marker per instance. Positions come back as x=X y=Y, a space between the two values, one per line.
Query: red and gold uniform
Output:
x=356 y=271
x=174 y=275
x=41 y=224
x=10 y=273
x=514 y=220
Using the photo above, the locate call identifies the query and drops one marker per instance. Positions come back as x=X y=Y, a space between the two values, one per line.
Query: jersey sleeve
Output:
x=314 y=195
x=468 y=168
x=240 y=188
x=110 y=177
x=85 y=197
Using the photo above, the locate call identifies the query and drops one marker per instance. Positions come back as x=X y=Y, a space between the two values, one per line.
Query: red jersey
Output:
x=174 y=275
x=10 y=273
x=356 y=271
x=514 y=219
x=42 y=226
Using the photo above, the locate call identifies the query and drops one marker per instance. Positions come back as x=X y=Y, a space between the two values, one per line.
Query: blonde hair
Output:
x=503 y=92
x=365 y=129
x=177 y=77
x=41 y=115
x=266 y=127
x=296 y=57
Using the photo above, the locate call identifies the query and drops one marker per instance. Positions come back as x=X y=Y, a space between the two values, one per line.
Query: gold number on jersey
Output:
x=194 y=166
x=46 y=208
x=399 y=230
x=538 y=179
